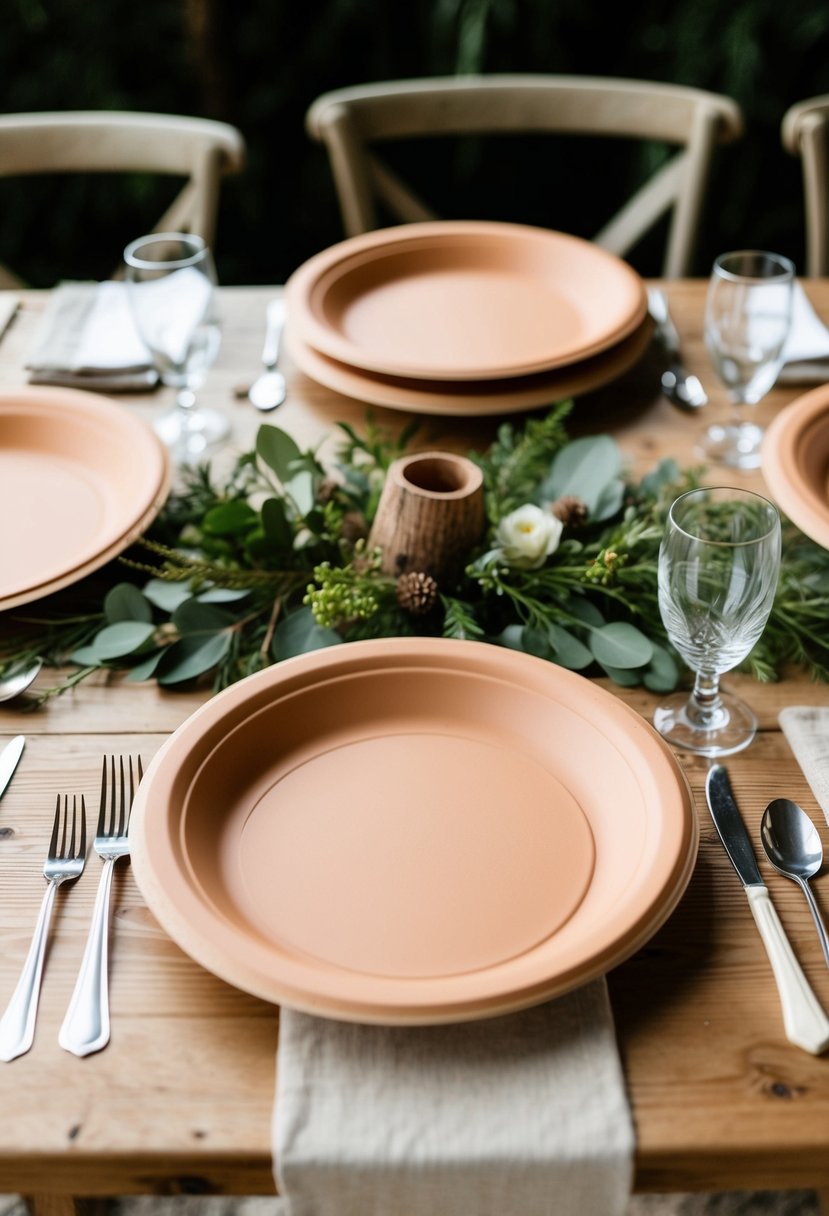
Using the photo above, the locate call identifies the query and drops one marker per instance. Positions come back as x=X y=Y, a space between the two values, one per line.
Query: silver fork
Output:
x=86 y=1025
x=64 y=863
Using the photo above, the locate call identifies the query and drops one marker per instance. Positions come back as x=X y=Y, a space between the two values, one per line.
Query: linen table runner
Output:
x=524 y=1113
x=806 y=728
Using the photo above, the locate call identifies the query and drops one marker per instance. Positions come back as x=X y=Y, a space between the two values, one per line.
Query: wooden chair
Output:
x=805 y=133
x=351 y=121
x=90 y=141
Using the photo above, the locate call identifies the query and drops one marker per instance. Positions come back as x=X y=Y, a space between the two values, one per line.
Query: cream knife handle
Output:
x=807 y=1026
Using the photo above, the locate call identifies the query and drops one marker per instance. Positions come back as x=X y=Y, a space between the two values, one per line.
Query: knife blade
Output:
x=9 y=757
x=806 y=1024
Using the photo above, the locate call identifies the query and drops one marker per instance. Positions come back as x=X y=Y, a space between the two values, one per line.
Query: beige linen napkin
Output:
x=525 y=1113
x=88 y=339
x=806 y=352
x=9 y=303
x=806 y=728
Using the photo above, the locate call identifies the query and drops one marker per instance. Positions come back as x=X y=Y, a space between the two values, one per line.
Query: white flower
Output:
x=527 y=536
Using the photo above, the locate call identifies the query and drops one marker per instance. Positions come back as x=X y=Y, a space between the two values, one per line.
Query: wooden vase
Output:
x=431 y=512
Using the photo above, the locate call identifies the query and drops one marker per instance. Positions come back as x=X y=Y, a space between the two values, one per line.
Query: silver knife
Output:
x=9 y=757
x=806 y=1024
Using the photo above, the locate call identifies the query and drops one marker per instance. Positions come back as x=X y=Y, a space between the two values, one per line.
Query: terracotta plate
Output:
x=454 y=300
x=412 y=831
x=80 y=478
x=471 y=397
x=796 y=463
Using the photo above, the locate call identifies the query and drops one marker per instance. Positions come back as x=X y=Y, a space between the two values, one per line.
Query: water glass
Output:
x=748 y=315
x=171 y=285
x=717 y=572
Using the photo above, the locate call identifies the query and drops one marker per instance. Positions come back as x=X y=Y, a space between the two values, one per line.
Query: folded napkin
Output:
x=806 y=728
x=806 y=352
x=88 y=339
x=524 y=1113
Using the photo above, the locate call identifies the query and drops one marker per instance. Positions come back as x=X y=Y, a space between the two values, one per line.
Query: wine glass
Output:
x=171 y=285
x=748 y=315
x=717 y=573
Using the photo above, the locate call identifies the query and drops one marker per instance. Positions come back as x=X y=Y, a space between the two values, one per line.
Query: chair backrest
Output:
x=91 y=141
x=805 y=133
x=351 y=121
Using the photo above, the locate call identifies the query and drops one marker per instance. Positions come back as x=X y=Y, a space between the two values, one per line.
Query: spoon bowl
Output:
x=792 y=844
x=19 y=679
x=270 y=388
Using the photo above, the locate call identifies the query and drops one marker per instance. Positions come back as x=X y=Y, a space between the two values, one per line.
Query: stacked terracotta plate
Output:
x=457 y=317
x=796 y=462
x=413 y=830
x=80 y=479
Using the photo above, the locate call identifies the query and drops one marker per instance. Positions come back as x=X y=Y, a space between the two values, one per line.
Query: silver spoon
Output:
x=269 y=390
x=681 y=387
x=793 y=847
x=18 y=680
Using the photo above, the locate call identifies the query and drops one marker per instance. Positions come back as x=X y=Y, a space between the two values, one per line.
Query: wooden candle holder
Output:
x=431 y=512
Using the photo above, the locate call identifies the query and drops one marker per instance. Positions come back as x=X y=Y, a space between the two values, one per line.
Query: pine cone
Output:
x=570 y=510
x=417 y=592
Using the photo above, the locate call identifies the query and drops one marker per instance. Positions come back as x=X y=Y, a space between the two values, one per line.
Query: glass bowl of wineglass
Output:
x=171 y=286
x=718 y=566
x=748 y=313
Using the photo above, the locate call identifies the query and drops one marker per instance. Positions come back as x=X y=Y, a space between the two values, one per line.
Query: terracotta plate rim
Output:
x=795 y=497
x=456 y=999
x=52 y=401
x=305 y=281
x=472 y=398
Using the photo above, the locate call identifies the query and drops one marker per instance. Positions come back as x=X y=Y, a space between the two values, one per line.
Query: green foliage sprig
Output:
x=274 y=561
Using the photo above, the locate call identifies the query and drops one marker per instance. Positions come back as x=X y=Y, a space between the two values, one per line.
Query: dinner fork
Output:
x=86 y=1025
x=64 y=863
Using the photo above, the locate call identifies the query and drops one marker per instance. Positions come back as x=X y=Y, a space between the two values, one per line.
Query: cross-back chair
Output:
x=199 y=150
x=353 y=124
x=805 y=133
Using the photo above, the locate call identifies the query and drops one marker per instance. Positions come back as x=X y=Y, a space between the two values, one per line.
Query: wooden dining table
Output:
x=181 y=1100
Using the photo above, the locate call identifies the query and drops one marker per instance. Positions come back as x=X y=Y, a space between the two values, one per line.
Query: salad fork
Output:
x=86 y=1026
x=64 y=863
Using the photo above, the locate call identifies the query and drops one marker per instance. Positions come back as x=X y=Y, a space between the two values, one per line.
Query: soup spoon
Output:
x=18 y=680
x=793 y=847
x=269 y=390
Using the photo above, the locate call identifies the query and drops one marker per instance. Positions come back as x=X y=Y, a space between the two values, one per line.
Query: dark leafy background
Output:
x=259 y=63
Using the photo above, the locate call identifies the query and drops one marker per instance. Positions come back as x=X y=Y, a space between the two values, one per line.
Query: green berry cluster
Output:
x=339 y=594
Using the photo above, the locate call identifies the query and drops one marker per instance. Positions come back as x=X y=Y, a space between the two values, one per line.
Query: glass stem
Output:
x=705 y=706
x=185 y=399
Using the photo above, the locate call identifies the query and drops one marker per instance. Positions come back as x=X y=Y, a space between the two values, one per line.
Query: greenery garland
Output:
x=275 y=562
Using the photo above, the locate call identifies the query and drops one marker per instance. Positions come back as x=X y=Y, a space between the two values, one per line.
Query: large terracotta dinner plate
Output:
x=796 y=463
x=80 y=478
x=472 y=397
x=456 y=300
x=412 y=831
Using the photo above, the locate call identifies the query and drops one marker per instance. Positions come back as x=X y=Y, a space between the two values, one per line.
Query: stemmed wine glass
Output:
x=171 y=282
x=748 y=315
x=718 y=565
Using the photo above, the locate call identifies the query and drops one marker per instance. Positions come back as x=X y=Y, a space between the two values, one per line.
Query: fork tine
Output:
x=99 y=831
x=82 y=846
x=53 y=842
x=71 y=852
x=123 y=798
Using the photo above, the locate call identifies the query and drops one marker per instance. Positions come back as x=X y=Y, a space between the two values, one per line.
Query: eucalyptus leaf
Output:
x=86 y=656
x=585 y=610
x=194 y=616
x=511 y=637
x=535 y=640
x=626 y=677
x=662 y=673
x=123 y=638
x=230 y=519
x=167 y=595
x=126 y=603
x=275 y=523
x=665 y=474
x=568 y=651
x=145 y=670
x=609 y=502
x=300 y=633
x=620 y=644
x=223 y=595
x=278 y=450
x=191 y=657
x=301 y=489
x=583 y=468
